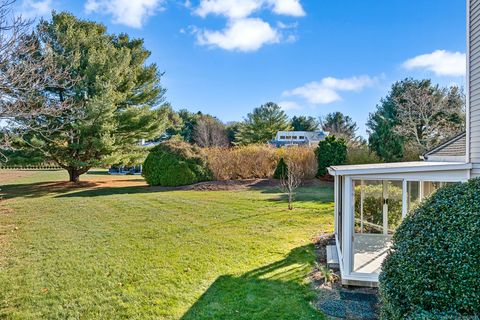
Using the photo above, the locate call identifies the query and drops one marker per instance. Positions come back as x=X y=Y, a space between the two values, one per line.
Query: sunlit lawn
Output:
x=118 y=249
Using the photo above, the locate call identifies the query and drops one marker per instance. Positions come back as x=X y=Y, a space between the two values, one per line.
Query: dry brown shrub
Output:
x=305 y=157
x=257 y=161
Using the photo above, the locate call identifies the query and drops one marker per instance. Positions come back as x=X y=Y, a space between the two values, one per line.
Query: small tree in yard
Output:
x=330 y=152
x=291 y=180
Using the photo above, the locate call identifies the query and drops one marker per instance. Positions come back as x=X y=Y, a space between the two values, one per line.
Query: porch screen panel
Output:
x=368 y=206
x=394 y=200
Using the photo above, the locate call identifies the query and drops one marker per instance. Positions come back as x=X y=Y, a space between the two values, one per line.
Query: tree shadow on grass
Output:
x=67 y=189
x=275 y=291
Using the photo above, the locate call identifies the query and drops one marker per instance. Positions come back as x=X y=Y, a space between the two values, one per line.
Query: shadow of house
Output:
x=275 y=291
x=320 y=194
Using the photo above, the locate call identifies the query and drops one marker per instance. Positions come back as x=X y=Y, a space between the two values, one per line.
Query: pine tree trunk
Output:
x=75 y=173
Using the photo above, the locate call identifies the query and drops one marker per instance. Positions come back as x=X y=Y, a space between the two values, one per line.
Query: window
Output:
x=301 y=137
x=282 y=137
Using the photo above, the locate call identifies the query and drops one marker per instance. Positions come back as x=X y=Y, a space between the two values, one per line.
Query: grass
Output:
x=115 y=248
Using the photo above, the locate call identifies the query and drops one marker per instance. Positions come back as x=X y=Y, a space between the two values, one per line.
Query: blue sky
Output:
x=226 y=57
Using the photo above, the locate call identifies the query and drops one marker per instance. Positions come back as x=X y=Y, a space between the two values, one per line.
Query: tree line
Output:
x=259 y=126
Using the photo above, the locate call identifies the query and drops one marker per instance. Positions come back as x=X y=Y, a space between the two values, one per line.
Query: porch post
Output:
x=404 y=198
x=348 y=221
x=335 y=205
x=385 y=207
x=362 y=195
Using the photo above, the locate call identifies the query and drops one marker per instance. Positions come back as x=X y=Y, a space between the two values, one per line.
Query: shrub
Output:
x=247 y=162
x=304 y=156
x=175 y=163
x=257 y=161
x=330 y=152
x=281 y=170
x=359 y=153
x=433 y=268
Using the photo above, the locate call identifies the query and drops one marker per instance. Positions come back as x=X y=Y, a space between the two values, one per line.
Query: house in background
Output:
x=297 y=138
x=371 y=200
x=122 y=169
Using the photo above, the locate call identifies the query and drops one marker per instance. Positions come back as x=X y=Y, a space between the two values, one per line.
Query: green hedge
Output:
x=175 y=163
x=433 y=270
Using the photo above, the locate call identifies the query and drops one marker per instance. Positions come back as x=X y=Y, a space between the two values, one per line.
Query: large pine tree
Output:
x=111 y=104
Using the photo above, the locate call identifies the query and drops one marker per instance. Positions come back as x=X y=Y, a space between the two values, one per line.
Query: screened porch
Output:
x=371 y=202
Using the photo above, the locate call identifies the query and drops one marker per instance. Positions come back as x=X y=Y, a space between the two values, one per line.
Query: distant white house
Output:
x=296 y=138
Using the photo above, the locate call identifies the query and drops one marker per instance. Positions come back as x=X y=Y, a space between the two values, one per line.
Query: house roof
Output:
x=397 y=167
x=454 y=147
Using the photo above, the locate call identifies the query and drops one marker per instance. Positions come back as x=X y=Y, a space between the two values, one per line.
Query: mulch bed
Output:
x=336 y=301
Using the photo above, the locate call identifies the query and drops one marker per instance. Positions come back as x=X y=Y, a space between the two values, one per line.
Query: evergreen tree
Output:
x=112 y=99
x=281 y=170
x=303 y=123
x=262 y=124
x=330 y=152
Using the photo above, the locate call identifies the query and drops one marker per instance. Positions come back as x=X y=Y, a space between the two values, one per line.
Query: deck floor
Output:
x=369 y=252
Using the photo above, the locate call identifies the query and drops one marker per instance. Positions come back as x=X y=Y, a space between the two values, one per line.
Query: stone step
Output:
x=332 y=257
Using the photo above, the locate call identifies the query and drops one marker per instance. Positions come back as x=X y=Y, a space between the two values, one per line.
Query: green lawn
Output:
x=123 y=250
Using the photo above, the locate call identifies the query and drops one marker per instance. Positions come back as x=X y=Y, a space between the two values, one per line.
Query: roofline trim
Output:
x=407 y=169
x=446 y=143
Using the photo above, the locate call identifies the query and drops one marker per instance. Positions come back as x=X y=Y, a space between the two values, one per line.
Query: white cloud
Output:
x=288 y=7
x=440 y=62
x=229 y=8
x=132 y=13
x=240 y=34
x=289 y=105
x=328 y=89
x=235 y=9
x=243 y=32
x=30 y=9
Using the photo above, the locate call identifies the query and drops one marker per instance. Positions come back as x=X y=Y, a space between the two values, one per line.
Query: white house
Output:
x=295 y=138
x=371 y=200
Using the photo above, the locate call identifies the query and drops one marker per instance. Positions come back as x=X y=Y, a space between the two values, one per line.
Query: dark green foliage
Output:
x=435 y=260
x=262 y=124
x=175 y=163
x=282 y=170
x=21 y=157
x=232 y=131
x=339 y=125
x=303 y=123
x=189 y=121
x=330 y=152
x=112 y=102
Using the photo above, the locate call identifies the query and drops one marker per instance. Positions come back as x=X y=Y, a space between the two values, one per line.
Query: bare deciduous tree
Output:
x=25 y=76
x=291 y=180
x=210 y=132
x=429 y=114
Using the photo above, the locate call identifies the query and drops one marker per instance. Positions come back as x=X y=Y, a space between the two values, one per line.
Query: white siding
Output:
x=473 y=135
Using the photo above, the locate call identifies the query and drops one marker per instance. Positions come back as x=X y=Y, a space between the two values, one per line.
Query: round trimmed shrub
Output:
x=433 y=269
x=175 y=163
